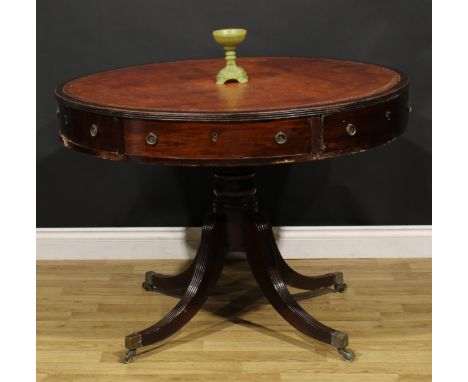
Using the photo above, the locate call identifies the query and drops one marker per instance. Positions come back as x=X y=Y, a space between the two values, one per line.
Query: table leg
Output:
x=167 y=283
x=262 y=255
x=208 y=265
x=297 y=280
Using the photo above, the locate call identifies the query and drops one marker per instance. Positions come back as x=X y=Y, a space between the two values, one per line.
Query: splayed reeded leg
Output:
x=168 y=283
x=208 y=265
x=262 y=255
x=297 y=280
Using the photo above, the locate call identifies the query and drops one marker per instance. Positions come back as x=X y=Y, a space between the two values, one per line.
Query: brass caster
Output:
x=147 y=286
x=341 y=287
x=346 y=354
x=127 y=357
x=147 y=283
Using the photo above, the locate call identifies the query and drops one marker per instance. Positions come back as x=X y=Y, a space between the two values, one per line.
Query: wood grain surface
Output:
x=276 y=84
x=309 y=102
x=84 y=308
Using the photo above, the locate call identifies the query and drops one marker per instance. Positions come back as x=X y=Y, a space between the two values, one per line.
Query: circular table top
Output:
x=286 y=92
x=187 y=89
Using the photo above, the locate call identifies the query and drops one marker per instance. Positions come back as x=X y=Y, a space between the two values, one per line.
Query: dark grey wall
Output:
x=387 y=185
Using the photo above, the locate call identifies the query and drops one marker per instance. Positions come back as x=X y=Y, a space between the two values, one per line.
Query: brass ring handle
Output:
x=280 y=138
x=351 y=129
x=151 y=139
x=93 y=130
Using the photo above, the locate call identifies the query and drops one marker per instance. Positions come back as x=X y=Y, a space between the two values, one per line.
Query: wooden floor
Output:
x=85 y=308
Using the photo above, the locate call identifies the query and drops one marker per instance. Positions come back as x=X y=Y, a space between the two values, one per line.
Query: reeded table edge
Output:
x=257 y=115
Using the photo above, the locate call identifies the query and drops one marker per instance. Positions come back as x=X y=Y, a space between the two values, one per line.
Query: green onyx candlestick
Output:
x=229 y=39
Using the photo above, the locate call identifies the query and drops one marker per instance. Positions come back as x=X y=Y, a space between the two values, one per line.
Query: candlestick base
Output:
x=232 y=73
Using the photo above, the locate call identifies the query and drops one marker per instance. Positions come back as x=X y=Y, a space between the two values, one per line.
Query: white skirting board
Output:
x=181 y=242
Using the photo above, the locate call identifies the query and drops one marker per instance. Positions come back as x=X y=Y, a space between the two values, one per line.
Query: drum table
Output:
x=291 y=110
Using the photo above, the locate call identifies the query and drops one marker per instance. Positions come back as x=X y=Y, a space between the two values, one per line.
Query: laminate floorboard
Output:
x=85 y=308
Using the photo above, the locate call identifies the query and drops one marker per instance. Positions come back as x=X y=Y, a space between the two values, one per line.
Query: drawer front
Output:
x=358 y=129
x=211 y=141
x=93 y=131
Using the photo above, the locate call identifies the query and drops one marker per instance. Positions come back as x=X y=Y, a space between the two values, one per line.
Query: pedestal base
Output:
x=235 y=223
